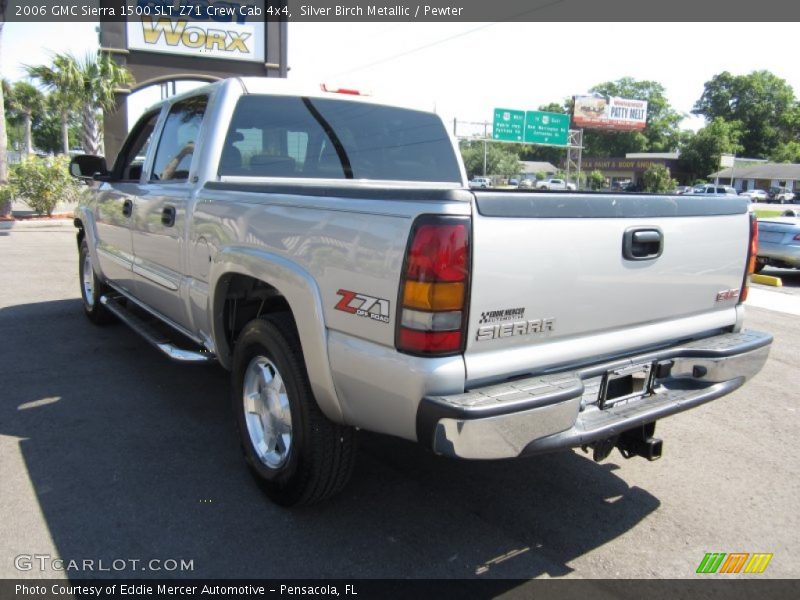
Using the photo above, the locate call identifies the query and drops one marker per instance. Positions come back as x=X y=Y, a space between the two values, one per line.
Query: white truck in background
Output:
x=554 y=185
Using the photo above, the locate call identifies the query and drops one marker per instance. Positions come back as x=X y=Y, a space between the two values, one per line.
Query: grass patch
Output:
x=763 y=213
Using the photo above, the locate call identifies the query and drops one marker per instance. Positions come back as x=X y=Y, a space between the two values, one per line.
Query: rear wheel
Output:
x=91 y=288
x=297 y=454
x=760 y=264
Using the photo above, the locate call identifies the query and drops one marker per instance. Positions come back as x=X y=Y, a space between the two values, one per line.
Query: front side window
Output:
x=178 y=138
x=131 y=159
x=282 y=136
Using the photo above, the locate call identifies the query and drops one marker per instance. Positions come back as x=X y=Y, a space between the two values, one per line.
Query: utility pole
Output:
x=485 y=146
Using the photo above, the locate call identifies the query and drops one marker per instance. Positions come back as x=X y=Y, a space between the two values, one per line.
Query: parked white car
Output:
x=554 y=184
x=755 y=195
x=710 y=188
x=480 y=182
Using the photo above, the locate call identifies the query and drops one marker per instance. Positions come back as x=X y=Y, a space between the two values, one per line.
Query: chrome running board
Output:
x=155 y=338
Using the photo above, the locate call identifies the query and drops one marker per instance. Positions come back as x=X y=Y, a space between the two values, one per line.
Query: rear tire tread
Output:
x=330 y=458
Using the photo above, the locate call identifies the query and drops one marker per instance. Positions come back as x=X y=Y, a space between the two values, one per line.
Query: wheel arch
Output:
x=84 y=223
x=281 y=286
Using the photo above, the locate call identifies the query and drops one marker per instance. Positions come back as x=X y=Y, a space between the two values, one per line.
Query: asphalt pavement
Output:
x=110 y=453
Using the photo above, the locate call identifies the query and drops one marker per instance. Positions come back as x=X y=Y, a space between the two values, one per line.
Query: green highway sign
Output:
x=546 y=128
x=530 y=127
x=508 y=125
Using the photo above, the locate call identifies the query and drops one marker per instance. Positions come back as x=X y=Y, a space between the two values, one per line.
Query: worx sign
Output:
x=202 y=29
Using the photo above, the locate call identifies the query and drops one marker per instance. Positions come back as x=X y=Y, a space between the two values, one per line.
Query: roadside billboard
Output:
x=237 y=34
x=600 y=112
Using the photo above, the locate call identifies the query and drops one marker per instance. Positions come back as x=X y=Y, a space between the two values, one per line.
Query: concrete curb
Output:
x=23 y=224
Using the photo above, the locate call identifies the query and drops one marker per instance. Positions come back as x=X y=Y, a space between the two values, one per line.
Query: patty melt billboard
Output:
x=222 y=29
x=599 y=112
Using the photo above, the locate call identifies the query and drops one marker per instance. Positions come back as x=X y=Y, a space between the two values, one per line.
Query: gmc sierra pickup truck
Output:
x=325 y=248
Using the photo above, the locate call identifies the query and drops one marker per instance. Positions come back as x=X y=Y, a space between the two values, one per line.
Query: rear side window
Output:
x=176 y=146
x=277 y=136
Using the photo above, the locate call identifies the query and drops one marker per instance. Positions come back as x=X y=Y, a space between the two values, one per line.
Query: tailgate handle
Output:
x=642 y=243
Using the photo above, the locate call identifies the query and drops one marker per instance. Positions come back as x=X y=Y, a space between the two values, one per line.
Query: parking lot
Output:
x=109 y=452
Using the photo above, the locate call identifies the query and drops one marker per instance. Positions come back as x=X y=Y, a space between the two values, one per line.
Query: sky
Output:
x=464 y=70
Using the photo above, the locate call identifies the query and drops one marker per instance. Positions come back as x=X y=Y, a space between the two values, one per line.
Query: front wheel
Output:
x=91 y=288
x=298 y=455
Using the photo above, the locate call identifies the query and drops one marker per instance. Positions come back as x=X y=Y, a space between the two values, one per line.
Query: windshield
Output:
x=283 y=136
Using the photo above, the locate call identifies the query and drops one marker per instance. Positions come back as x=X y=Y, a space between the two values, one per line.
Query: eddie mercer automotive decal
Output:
x=362 y=305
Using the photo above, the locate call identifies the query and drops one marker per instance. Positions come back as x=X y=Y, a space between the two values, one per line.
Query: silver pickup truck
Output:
x=326 y=250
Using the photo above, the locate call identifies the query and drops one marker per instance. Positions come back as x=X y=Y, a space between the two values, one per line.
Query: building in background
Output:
x=760 y=176
x=530 y=168
x=629 y=170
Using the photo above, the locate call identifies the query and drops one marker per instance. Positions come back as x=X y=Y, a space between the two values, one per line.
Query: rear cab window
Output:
x=287 y=136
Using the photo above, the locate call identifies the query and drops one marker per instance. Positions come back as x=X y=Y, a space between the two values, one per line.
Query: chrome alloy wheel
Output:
x=88 y=280
x=267 y=412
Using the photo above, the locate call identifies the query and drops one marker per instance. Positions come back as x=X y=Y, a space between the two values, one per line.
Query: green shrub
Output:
x=6 y=198
x=44 y=182
x=596 y=179
x=657 y=179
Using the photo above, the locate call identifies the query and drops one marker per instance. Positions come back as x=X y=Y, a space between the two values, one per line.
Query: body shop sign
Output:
x=597 y=112
x=207 y=29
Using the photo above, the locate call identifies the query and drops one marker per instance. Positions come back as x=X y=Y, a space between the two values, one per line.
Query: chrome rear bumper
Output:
x=560 y=410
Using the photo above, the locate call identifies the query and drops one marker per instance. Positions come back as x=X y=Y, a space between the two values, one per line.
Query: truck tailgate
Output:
x=552 y=282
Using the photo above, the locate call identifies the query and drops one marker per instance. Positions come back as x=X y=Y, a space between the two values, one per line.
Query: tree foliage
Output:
x=761 y=104
x=46 y=130
x=61 y=80
x=657 y=179
x=787 y=153
x=701 y=153
x=23 y=102
x=87 y=85
x=5 y=205
x=500 y=160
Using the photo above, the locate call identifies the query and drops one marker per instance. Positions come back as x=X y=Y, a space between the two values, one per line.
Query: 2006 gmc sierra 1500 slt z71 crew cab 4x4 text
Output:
x=325 y=248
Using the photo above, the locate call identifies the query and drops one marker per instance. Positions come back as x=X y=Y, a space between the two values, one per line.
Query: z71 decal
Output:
x=362 y=305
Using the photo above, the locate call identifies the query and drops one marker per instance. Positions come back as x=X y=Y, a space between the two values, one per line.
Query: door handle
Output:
x=168 y=216
x=642 y=243
x=127 y=208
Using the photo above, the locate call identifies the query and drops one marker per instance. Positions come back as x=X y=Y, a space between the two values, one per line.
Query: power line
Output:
x=418 y=49
x=447 y=39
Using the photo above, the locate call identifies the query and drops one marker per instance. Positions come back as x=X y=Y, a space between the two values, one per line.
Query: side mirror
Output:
x=87 y=166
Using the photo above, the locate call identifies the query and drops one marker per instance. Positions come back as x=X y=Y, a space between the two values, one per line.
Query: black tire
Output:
x=760 y=264
x=318 y=460
x=91 y=289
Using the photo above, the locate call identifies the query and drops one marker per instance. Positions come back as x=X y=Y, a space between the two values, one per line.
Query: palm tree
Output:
x=63 y=79
x=25 y=101
x=101 y=78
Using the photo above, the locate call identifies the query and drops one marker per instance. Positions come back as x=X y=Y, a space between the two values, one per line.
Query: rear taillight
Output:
x=752 y=253
x=432 y=312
